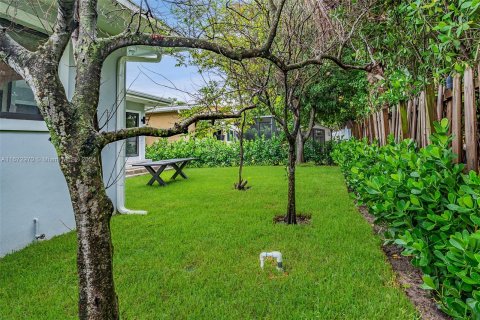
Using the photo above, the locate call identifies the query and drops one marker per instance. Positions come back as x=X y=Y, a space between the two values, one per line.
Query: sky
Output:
x=162 y=78
x=166 y=80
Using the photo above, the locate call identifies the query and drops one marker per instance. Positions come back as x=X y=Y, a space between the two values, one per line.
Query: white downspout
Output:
x=120 y=124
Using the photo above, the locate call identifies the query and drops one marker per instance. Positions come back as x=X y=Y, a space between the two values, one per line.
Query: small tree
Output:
x=241 y=184
x=280 y=80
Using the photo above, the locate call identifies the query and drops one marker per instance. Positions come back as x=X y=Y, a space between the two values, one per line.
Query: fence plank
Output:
x=395 y=132
x=430 y=115
x=392 y=121
x=414 y=119
x=440 y=102
x=405 y=130
x=409 y=114
x=449 y=115
x=457 y=118
x=422 y=113
x=399 y=125
x=470 y=119
x=386 y=128
x=419 y=123
x=380 y=127
x=370 y=129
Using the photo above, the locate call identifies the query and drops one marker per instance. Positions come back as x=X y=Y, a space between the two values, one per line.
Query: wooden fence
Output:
x=414 y=118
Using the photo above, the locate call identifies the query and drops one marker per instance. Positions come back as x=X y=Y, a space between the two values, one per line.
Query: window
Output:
x=263 y=127
x=219 y=135
x=232 y=135
x=132 y=144
x=319 y=135
x=16 y=97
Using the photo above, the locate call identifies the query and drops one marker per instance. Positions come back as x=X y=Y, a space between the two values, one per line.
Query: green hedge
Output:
x=431 y=208
x=211 y=152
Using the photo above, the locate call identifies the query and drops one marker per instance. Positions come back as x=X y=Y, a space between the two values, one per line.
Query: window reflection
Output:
x=16 y=97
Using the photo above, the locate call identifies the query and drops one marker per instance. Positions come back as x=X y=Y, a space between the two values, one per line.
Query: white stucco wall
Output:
x=31 y=183
x=342 y=134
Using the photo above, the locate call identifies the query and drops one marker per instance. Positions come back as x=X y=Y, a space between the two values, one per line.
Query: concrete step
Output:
x=135 y=171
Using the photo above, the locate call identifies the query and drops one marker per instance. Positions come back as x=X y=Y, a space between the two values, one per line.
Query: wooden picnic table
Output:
x=177 y=164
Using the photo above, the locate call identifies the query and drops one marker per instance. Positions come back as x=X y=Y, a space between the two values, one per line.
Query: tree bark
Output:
x=93 y=210
x=291 y=217
x=241 y=185
x=302 y=138
x=300 y=148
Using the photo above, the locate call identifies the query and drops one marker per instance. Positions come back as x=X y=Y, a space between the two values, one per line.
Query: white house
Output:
x=267 y=126
x=34 y=200
x=136 y=116
x=342 y=134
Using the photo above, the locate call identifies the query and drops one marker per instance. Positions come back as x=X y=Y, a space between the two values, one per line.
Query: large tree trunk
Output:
x=291 y=217
x=93 y=210
x=300 y=148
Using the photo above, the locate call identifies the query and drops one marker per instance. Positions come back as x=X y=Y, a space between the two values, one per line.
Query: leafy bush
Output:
x=214 y=153
x=431 y=209
x=319 y=153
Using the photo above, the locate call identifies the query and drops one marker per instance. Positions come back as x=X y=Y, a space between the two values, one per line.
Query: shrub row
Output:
x=431 y=209
x=211 y=152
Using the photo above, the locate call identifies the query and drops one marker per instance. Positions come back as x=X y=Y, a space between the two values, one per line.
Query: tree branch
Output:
x=311 y=124
x=15 y=55
x=320 y=59
x=105 y=138
x=63 y=29
x=129 y=38
x=88 y=16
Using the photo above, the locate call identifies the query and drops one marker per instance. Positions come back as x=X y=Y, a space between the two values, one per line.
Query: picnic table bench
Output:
x=177 y=164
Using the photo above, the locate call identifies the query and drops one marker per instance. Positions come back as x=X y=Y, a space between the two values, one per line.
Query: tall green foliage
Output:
x=337 y=96
x=211 y=152
x=431 y=209
x=420 y=42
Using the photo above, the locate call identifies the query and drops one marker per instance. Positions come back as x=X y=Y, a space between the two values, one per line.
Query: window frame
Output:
x=314 y=134
x=17 y=115
x=137 y=139
x=17 y=32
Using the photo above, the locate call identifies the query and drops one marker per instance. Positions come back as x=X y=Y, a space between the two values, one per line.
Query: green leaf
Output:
x=416 y=191
x=468 y=201
x=428 y=283
x=414 y=174
x=444 y=123
x=414 y=200
x=475 y=219
x=457 y=244
x=457 y=208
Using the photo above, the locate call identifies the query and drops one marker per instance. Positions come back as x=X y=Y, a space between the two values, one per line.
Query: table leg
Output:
x=156 y=175
x=178 y=170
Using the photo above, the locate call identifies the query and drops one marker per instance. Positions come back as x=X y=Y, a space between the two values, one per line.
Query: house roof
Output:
x=160 y=109
x=41 y=14
x=147 y=99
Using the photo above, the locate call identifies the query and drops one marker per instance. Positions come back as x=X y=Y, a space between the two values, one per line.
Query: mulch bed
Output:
x=301 y=219
x=407 y=276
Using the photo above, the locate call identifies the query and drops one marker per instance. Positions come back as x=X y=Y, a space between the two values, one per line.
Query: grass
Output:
x=195 y=255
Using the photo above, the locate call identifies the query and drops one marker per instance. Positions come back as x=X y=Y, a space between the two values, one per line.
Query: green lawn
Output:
x=195 y=255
